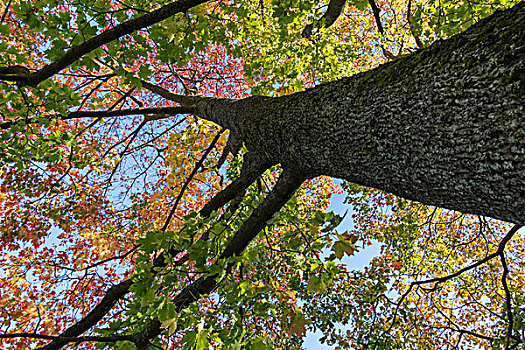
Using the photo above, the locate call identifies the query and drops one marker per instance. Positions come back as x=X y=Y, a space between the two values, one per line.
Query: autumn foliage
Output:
x=111 y=193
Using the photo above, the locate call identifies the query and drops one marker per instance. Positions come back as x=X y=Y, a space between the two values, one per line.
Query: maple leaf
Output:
x=170 y=324
x=345 y=245
x=101 y=206
x=298 y=325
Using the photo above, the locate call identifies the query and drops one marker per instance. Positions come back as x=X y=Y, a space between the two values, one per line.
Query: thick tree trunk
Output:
x=444 y=127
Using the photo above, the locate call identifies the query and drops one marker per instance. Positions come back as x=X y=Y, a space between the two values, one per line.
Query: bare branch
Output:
x=6 y=11
x=376 y=11
x=182 y=99
x=152 y=113
x=190 y=177
x=377 y=17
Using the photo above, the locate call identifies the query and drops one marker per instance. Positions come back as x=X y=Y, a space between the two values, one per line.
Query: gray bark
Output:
x=444 y=126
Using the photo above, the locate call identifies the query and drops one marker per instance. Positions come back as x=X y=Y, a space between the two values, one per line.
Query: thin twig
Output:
x=188 y=180
x=438 y=280
x=6 y=11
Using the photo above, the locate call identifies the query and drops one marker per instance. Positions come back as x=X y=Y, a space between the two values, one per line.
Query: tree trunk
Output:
x=444 y=126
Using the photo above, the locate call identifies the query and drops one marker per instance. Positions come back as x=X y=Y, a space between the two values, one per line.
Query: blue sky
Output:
x=357 y=261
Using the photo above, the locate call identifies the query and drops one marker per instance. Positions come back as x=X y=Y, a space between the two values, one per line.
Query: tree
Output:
x=442 y=126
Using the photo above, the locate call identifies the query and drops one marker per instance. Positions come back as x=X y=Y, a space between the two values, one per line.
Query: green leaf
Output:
x=316 y=285
x=170 y=324
x=202 y=342
x=258 y=344
x=341 y=248
x=243 y=286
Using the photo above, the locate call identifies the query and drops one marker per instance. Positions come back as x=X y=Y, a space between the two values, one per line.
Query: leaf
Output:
x=298 y=325
x=202 y=342
x=258 y=344
x=170 y=324
x=316 y=285
x=345 y=245
x=341 y=248
x=243 y=286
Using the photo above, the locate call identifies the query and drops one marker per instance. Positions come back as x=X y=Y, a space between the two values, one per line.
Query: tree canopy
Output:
x=167 y=168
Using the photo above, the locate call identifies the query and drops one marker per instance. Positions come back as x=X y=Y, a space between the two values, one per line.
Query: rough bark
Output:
x=444 y=127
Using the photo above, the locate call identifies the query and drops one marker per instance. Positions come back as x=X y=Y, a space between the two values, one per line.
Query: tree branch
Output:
x=376 y=11
x=6 y=11
x=377 y=17
x=335 y=8
x=281 y=193
x=439 y=280
x=152 y=113
x=14 y=73
x=501 y=247
x=108 y=301
x=66 y=339
x=182 y=99
x=508 y=301
x=190 y=177
x=409 y=21
x=252 y=168
x=120 y=30
x=283 y=190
